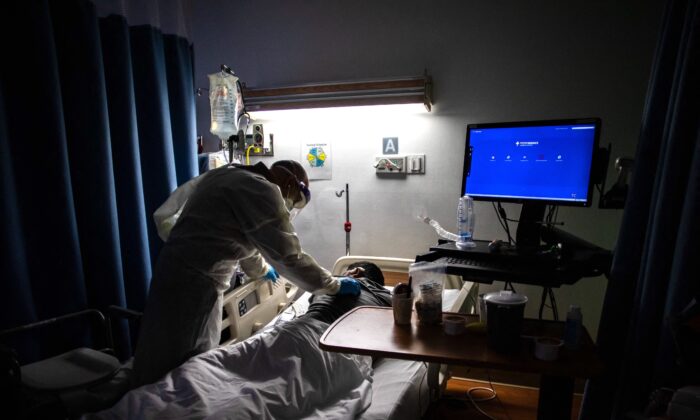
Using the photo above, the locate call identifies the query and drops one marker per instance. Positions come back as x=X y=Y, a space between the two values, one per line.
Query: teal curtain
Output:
x=656 y=269
x=96 y=129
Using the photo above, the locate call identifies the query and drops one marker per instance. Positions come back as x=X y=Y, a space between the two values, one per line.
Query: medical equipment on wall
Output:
x=400 y=164
x=255 y=144
x=347 y=225
x=390 y=164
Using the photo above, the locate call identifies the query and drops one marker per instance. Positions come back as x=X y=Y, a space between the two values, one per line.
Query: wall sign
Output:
x=316 y=159
x=390 y=145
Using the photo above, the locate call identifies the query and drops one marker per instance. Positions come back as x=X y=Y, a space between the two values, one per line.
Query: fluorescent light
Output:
x=359 y=113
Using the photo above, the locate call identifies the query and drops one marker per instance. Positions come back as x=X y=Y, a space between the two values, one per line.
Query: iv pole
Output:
x=347 y=226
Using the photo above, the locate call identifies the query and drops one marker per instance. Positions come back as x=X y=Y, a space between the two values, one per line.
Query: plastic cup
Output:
x=429 y=304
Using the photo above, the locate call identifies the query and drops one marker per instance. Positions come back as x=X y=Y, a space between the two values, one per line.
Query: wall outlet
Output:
x=415 y=164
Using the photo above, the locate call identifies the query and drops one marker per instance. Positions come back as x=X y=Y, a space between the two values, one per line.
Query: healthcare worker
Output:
x=231 y=214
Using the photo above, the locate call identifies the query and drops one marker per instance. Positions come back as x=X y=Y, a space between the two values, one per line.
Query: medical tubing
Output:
x=247 y=154
x=439 y=229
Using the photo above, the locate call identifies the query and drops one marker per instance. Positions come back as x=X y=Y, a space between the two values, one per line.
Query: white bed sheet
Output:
x=399 y=390
x=278 y=374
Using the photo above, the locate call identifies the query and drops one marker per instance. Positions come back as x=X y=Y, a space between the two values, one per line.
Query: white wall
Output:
x=490 y=61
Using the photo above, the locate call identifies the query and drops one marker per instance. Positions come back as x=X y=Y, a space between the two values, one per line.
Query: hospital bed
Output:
x=206 y=384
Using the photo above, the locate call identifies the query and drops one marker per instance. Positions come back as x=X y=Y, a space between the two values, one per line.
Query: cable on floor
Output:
x=475 y=401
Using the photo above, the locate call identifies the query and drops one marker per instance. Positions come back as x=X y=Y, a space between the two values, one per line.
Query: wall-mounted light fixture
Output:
x=404 y=90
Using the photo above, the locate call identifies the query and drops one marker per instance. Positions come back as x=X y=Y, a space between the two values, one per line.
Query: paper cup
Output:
x=403 y=308
x=547 y=348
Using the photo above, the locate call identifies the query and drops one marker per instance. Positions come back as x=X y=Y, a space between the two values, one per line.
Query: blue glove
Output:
x=271 y=274
x=349 y=286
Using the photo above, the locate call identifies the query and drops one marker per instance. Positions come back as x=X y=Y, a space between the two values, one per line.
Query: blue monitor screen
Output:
x=548 y=161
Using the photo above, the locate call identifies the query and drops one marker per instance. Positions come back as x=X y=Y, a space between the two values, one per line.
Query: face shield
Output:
x=295 y=207
x=305 y=196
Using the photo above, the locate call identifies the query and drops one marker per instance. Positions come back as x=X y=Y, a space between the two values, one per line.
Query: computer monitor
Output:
x=536 y=163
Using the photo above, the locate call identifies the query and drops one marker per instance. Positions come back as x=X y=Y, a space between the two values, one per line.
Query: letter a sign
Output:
x=390 y=145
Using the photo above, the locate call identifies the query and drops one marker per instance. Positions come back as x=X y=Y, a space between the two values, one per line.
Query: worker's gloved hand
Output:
x=271 y=274
x=349 y=286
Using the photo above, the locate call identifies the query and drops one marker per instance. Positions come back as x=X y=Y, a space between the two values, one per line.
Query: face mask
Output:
x=289 y=204
x=294 y=208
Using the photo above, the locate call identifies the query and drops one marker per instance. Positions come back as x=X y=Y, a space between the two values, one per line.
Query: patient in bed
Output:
x=280 y=373
x=327 y=308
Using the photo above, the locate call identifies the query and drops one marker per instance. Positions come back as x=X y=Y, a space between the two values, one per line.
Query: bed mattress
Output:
x=399 y=390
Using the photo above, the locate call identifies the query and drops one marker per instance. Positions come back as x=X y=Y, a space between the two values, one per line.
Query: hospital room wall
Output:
x=490 y=61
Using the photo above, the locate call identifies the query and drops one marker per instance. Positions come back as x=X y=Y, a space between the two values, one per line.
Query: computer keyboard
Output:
x=476 y=263
x=471 y=262
x=482 y=267
x=535 y=271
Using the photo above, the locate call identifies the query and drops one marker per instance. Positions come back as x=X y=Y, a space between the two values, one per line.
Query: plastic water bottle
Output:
x=573 y=328
x=465 y=222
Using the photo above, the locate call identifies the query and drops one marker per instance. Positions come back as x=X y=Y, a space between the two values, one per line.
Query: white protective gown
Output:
x=231 y=215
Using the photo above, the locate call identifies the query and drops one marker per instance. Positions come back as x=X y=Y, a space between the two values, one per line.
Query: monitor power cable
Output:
x=548 y=292
x=503 y=220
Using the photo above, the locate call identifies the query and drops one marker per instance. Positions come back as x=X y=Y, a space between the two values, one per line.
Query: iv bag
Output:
x=226 y=104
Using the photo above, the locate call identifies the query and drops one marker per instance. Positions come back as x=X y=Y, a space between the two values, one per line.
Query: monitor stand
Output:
x=527 y=236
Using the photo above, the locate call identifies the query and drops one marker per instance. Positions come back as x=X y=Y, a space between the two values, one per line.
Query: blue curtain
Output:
x=92 y=141
x=656 y=269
